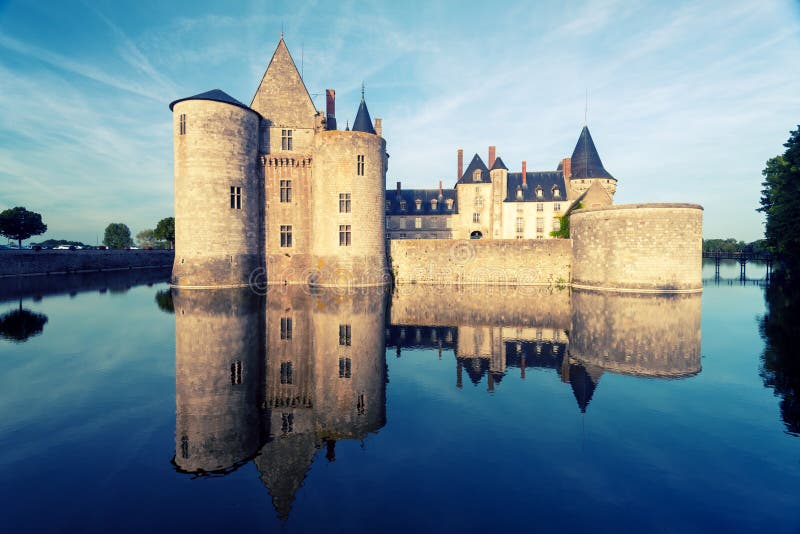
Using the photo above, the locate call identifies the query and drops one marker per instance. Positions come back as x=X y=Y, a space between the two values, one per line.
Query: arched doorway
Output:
x=476 y=235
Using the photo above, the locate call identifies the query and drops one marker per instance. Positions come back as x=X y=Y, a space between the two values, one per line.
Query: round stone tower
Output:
x=347 y=206
x=218 y=196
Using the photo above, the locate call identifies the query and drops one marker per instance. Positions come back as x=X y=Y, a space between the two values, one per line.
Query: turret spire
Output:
x=363 y=122
x=585 y=159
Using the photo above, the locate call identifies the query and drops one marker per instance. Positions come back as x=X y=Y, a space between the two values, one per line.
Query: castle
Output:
x=275 y=193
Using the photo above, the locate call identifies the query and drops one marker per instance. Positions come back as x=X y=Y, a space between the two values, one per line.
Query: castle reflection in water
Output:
x=275 y=379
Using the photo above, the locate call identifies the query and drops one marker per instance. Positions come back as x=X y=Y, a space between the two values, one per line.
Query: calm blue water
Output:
x=332 y=412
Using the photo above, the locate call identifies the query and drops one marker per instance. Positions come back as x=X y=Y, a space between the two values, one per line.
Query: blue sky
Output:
x=686 y=100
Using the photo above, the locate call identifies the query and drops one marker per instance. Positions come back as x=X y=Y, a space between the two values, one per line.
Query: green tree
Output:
x=19 y=223
x=780 y=202
x=146 y=239
x=117 y=235
x=165 y=230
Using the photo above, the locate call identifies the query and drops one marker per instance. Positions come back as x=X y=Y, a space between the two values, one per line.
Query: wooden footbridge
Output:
x=742 y=258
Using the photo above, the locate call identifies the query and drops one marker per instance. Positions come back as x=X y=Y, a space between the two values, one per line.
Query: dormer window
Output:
x=449 y=203
x=556 y=192
x=476 y=175
x=418 y=204
x=434 y=204
x=402 y=205
x=539 y=192
x=519 y=193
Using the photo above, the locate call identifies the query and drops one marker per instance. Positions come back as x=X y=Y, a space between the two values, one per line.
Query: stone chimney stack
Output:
x=492 y=155
x=330 y=109
x=398 y=189
x=379 y=127
x=440 y=189
x=524 y=174
x=460 y=163
x=566 y=168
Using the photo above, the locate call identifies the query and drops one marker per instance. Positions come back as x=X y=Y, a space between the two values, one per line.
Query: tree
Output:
x=19 y=223
x=165 y=230
x=18 y=325
x=780 y=201
x=146 y=239
x=117 y=235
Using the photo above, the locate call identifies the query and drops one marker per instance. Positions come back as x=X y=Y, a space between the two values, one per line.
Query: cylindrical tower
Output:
x=347 y=205
x=219 y=376
x=218 y=193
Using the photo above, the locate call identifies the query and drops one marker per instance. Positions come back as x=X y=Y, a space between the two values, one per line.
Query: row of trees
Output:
x=19 y=224
x=732 y=245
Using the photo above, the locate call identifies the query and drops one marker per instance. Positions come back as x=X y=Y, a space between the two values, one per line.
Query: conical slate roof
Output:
x=475 y=164
x=498 y=164
x=585 y=159
x=363 y=122
x=215 y=95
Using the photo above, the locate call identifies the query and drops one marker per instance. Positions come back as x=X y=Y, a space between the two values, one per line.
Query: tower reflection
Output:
x=276 y=379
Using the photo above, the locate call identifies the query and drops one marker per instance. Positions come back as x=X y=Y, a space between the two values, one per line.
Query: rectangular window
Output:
x=476 y=217
x=287 y=423
x=183 y=123
x=344 y=235
x=286 y=373
x=286 y=328
x=557 y=207
x=418 y=222
x=286 y=139
x=556 y=224
x=286 y=235
x=344 y=367
x=539 y=206
x=236 y=198
x=236 y=373
x=520 y=225
x=360 y=164
x=344 y=335
x=539 y=224
x=344 y=202
x=286 y=190
x=361 y=405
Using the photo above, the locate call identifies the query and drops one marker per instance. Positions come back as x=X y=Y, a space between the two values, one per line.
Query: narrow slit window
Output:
x=344 y=202
x=361 y=405
x=344 y=235
x=344 y=335
x=182 y=124
x=344 y=367
x=286 y=190
x=236 y=373
x=286 y=328
x=236 y=197
x=360 y=165
x=286 y=236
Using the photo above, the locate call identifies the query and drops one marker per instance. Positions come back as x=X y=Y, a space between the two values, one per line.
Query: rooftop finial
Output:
x=362 y=91
x=586 y=109
x=281 y=30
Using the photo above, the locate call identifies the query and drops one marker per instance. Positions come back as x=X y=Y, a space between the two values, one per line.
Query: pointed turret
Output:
x=282 y=97
x=363 y=122
x=585 y=160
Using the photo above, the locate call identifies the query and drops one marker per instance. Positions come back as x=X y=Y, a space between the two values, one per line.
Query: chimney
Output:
x=524 y=174
x=398 y=189
x=492 y=154
x=440 y=189
x=379 y=127
x=566 y=167
x=460 y=163
x=330 y=108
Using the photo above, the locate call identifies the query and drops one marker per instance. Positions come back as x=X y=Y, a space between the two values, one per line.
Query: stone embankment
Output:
x=45 y=262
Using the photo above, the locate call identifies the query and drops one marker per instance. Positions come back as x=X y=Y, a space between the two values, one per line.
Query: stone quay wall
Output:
x=638 y=247
x=514 y=262
x=43 y=262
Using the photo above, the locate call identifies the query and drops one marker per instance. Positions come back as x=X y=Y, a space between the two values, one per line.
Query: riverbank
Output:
x=46 y=262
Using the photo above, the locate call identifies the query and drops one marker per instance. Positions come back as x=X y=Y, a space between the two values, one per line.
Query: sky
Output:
x=686 y=100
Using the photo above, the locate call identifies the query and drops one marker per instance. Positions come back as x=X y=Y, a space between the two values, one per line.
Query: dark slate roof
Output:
x=498 y=164
x=426 y=195
x=585 y=159
x=363 y=122
x=583 y=385
x=476 y=163
x=548 y=180
x=215 y=95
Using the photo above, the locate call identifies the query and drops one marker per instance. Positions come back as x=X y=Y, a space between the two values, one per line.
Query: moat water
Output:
x=127 y=407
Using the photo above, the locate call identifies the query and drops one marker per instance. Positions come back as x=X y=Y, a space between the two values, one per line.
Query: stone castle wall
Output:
x=521 y=262
x=642 y=334
x=638 y=247
x=42 y=262
x=216 y=245
x=363 y=262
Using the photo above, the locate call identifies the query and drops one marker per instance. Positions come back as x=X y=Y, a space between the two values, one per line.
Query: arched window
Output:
x=539 y=191
x=556 y=192
x=519 y=193
x=449 y=203
x=418 y=204
x=434 y=204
